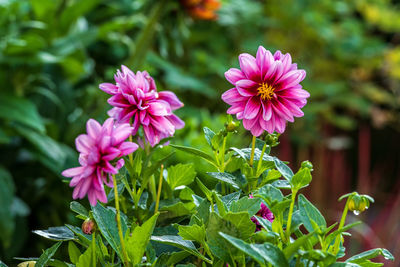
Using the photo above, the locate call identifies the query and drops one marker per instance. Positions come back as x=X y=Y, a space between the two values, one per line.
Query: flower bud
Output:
x=232 y=126
x=307 y=164
x=358 y=203
x=272 y=139
x=88 y=226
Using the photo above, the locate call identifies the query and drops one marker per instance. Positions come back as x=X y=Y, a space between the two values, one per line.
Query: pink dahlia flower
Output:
x=264 y=213
x=136 y=100
x=101 y=145
x=267 y=92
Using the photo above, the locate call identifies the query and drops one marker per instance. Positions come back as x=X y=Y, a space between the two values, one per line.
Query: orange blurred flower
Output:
x=202 y=9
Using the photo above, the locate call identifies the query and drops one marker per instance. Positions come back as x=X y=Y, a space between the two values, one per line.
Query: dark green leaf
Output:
x=283 y=169
x=308 y=211
x=262 y=253
x=177 y=241
x=196 y=152
x=78 y=208
x=47 y=255
x=7 y=189
x=251 y=205
x=209 y=134
x=106 y=221
x=225 y=177
x=60 y=233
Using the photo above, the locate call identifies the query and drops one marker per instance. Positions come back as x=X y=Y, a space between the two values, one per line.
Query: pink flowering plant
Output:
x=145 y=211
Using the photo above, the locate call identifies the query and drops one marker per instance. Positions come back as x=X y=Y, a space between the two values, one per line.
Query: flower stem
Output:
x=342 y=221
x=94 y=248
x=159 y=189
x=289 y=221
x=253 y=147
x=222 y=155
x=261 y=158
x=121 y=236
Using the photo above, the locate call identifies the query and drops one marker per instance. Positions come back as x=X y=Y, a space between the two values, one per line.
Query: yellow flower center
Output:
x=265 y=91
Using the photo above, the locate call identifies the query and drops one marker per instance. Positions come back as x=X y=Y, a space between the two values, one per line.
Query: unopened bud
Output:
x=307 y=164
x=358 y=203
x=272 y=139
x=88 y=226
x=232 y=126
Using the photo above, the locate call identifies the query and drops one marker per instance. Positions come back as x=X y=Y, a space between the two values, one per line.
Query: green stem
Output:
x=261 y=158
x=94 y=248
x=222 y=155
x=121 y=236
x=341 y=224
x=143 y=40
x=253 y=147
x=289 y=221
x=159 y=189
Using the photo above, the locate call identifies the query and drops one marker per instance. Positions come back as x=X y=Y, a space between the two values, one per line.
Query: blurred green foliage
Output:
x=54 y=53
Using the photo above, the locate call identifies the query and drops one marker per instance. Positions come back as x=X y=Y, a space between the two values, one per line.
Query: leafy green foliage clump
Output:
x=209 y=225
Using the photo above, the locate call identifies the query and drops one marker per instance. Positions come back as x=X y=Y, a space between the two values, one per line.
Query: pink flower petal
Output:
x=234 y=75
x=249 y=66
x=252 y=108
x=171 y=99
x=72 y=172
x=109 y=88
x=93 y=129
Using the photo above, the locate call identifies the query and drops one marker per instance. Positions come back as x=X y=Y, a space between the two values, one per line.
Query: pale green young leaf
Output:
x=73 y=252
x=180 y=174
x=136 y=243
x=193 y=232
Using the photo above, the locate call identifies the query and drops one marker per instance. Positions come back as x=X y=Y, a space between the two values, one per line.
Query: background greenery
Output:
x=54 y=53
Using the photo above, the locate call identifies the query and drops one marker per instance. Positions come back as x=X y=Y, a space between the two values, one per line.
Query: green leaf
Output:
x=193 y=232
x=197 y=152
x=180 y=174
x=177 y=241
x=2 y=264
x=301 y=179
x=205 y=190
x=220 y=204
x=7 y=190
x=47 y=255
x=262 y=253
x=176 y=209
x=21 y=110
x=73 y=252
x=208 y=134
x=270 y=194
x=293 y=247
x=245 y=153
x=234 y=224
x=308 y=211
x=228 y=199
x=225 y=177
x=107 y=223
x=86 y=259
x=137 y=242
x=283 y=169
x=251 y=205
x=60 y=233
x=78 y=208
x=370 y=254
